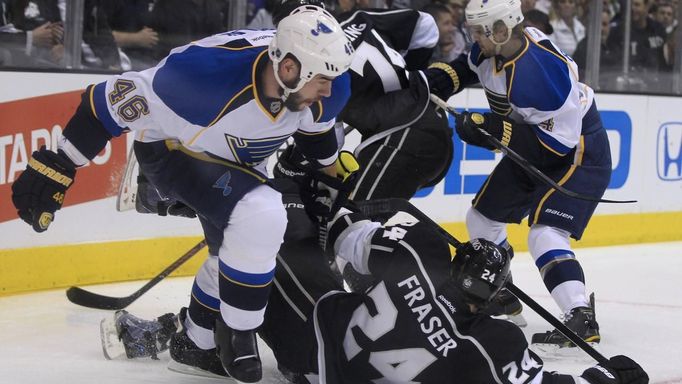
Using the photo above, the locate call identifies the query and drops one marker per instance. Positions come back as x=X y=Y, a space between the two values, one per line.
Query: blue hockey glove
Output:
x=618 y=370
x=39 y=191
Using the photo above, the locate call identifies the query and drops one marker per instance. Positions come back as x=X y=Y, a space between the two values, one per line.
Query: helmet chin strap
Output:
x=287 y=90
x=498 y=46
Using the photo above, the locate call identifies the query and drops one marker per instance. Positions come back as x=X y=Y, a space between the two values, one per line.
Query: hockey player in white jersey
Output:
x=206 y=118
x=541 y=111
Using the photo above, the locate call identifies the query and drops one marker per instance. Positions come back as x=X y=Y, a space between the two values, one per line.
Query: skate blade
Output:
x=558 y=352
x=112 y=347
x=194 y=371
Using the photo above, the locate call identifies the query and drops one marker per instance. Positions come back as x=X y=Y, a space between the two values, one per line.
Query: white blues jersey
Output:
x=208 y=96
x=538 y=86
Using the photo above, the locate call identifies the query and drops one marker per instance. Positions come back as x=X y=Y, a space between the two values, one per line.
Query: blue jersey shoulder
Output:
x=541 y=78
x=330 y=107
x=208 y=77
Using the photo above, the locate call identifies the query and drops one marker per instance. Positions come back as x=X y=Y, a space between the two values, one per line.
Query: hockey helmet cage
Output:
x=285 y=7
x=485 y=13
x=480 y=270
x=312 y=36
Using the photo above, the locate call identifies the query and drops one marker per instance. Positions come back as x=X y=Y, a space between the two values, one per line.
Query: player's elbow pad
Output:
x=85 y=131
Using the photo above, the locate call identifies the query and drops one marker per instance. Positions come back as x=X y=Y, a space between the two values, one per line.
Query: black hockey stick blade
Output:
x=374 y=207
x=525 y=164
x=80 y=296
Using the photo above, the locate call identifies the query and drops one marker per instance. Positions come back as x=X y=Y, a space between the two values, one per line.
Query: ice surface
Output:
x=44 y=339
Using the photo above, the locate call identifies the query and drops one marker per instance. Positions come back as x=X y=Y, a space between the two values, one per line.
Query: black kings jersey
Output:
x=409 y=327
x=387 y=44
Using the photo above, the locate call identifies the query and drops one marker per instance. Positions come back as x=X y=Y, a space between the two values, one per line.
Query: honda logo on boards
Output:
x=669 y=151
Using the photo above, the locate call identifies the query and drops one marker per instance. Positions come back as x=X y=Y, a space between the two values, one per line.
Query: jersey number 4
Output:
x=396 y=365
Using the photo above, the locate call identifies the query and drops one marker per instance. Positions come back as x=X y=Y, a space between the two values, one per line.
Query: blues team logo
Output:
x=321 y=28
x=252 y=152
x=669 y=151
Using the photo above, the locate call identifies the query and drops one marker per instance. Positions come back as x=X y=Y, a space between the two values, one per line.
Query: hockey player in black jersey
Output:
x=406 y=142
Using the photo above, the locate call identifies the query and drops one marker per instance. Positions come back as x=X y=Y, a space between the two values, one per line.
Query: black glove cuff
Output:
x=443 y=80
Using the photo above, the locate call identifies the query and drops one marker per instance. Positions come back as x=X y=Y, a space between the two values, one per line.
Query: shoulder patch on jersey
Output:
x=541 y=79
x=331 y=106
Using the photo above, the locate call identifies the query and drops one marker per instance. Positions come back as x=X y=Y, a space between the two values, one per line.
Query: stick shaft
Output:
x=526 y=165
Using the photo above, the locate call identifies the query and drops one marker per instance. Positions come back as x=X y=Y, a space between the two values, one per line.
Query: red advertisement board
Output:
x=26 y=125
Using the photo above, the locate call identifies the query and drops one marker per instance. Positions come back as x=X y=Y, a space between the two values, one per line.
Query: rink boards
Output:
x=90 y=242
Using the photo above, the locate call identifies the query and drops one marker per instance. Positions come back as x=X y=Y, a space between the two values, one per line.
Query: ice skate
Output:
x=581 y=320
x=238 y=352
x=128 y=336
x=189 y=359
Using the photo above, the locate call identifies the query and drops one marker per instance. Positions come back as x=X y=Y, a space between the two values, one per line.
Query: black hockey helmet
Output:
x=285 y=7
x=480 y=270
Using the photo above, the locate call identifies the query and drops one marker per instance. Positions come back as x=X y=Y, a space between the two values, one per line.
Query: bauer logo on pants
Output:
x=669 y=151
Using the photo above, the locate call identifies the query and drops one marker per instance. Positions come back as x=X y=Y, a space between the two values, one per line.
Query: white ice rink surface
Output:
x=45 y=339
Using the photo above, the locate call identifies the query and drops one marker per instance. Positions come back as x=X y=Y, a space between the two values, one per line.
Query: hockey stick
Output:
x=127 y=192
x=525 y=164
x=374 y=207
x=89 y=299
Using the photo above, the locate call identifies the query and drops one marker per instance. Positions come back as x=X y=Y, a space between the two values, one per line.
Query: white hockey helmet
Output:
x=485 y=13
x=316 y=40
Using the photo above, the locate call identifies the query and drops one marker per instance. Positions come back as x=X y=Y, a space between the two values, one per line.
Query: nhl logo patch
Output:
x=547 y=125
x=275 y=107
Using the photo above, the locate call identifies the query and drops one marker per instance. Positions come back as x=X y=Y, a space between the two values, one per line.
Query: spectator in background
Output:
x=179 y=22
x=647 y=37
x=351 y=5
x=527 y=5
x=665 y=15
x=99 y=49
x=129 y=21
x=444 y=50
x=263 y=17
x=538 y=19
x=31 y=33
x=568 y=30
x=461 y=43
x=610 y=57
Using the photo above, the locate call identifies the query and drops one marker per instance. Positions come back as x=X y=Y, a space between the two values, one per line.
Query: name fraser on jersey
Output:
x=432 y=326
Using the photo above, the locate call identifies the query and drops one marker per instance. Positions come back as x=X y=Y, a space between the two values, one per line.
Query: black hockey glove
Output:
x=469 y=126
x=443 y=80
x=39 y=191
x=323 y=195
x=618 y=370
